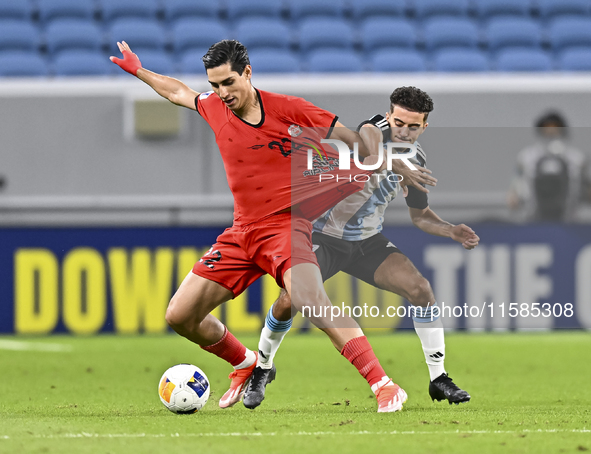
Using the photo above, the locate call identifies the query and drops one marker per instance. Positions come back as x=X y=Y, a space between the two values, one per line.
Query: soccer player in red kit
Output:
x=271 y=232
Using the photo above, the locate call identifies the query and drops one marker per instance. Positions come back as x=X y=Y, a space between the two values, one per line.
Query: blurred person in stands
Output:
x=553 y=178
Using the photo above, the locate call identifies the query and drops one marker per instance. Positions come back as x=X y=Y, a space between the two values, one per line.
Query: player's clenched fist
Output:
x=130 y=61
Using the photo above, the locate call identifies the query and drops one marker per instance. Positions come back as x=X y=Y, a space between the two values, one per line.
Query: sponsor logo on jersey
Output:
x=295 y=130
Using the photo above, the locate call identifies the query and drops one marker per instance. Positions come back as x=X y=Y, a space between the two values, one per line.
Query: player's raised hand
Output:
x=465 y=235
x=417 y=178
x=130 y=61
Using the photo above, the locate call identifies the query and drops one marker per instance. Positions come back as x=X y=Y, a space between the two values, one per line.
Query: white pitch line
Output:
x=21 y=346
x=304 y=433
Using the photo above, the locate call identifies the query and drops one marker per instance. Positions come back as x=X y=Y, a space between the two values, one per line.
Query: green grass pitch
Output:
x=530 y=392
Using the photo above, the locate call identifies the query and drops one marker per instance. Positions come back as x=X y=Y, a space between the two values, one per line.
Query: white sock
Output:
x=429 y=328
x=271 y=336
x=249 y=359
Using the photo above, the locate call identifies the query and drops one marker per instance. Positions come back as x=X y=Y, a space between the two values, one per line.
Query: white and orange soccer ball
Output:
x=184 y=389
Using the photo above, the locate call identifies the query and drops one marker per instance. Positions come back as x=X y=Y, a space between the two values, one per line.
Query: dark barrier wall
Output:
x=90 y=280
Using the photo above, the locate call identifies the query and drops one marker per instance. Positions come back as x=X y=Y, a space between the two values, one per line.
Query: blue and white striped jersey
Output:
x=361 y=215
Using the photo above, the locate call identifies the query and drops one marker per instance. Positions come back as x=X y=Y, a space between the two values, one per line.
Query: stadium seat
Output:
x=182 y=9
x=315 y=33
x=61 y=9
x=300 y=9
x=82 y=63
x=197 y=33
x=513 y=32
x=336 y=60
x=554 y=8
x=191 y=63
x=381 y=8
x=570 y=31
x=157 y=61
x=489 y=8
x=397 y=60
x=238 y=9
x=461 y=60
x=22 y=64
x=72 y=34
x=138 y=33
x=450 y=32
x=425 y=9
x=575 y=59
x=18 y=35
x=116 y=9
x=16 y=9
x=263 y=32
x=387 y=32
x=274 y=61
x=523 y=60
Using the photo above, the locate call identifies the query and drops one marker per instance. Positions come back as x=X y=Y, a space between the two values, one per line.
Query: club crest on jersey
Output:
x=294 y=130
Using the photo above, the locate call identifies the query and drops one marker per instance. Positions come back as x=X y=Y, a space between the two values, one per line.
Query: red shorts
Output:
x=242 y=254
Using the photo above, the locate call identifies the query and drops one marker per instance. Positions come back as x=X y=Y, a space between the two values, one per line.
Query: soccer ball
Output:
x=184 y=389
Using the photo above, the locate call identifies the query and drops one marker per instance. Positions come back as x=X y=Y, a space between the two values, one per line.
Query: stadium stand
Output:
x=450 y=32
x=82 y=63
x=334 y=60
x=184 y=9
x=61 y=9
x=556 y=32
x=523 y=60
x=502 y=32
x=22 y=64
x=397 y=60
x=257 y=32
x=461 y=60
x=157 y=60
x=199 y=33
x=72 y=34
x=274 y=61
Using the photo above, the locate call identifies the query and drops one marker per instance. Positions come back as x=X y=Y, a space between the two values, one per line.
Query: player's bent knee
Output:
x=421 y=293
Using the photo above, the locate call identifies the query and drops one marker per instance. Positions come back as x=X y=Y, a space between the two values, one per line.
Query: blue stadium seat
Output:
x=513 y=32
x=397 y=60
x=461 y=60
x=570 y=31
x=489 y=8
x=238 y=9
x=259 y=32
x=381 y=8
x=274 y=61
x=300 y=9
x=387 y=32
x=16 y=9
x=450 y=32
x=315 y=33
x=575 y=59
x=554 y=8
x=157 y=61
x=18 y=35
x=73 y=34
x=22 y=64
x=523 y=60
x=140 y=34
x=425 y=9
x=191 y=63
x=334 y=61
x=182 y=9
x=116 y=9
x=82 y=63
x=61 y=9
x=197 y=33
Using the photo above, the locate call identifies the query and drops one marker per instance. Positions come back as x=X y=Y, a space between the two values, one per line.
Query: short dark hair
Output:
x=413 y=99
x=553 y=118
x=227 y=51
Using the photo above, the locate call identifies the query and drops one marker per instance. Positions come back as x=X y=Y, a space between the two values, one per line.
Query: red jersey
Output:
x=258 y=158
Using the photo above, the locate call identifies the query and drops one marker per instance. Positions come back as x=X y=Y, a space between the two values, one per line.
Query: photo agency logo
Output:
x=319 y=162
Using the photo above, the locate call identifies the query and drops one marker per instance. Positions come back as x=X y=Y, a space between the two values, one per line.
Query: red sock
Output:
x=361 y=355
x=228 y=348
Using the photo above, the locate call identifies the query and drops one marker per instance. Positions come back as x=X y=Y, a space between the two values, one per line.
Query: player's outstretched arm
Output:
x=428 y=221
x=167 y=87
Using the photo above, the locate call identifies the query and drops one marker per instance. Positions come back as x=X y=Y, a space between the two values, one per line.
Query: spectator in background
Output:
x=553 y=177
